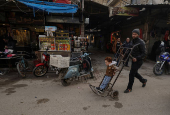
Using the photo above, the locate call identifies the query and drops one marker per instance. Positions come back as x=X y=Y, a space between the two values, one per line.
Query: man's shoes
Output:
x=144 y=84
x=127 y=91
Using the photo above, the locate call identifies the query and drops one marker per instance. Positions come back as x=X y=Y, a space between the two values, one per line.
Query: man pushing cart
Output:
x=137 y=52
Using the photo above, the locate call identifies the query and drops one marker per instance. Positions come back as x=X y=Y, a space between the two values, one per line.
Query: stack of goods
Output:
x=63 y=44
x=77 y=45
x=84 y=44
x=62 y=40
x=47 y=42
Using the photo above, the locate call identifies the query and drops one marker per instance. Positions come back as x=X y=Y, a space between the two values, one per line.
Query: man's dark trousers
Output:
x=134 y=73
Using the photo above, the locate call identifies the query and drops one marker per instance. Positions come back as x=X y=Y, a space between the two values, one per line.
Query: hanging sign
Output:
x=124 y=11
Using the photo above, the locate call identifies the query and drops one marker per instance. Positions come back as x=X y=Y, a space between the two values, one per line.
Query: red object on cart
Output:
x=62 y=1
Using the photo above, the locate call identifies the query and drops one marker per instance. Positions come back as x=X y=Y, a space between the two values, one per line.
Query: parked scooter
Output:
x=77 y=71
x=160 y=65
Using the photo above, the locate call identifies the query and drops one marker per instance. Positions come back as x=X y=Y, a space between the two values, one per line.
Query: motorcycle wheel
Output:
x=40 y=71
x=91 y=75
x=156 y=70
x=64 y=82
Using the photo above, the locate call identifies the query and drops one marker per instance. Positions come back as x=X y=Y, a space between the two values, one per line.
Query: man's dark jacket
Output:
x=127 y=45
x=139 y=51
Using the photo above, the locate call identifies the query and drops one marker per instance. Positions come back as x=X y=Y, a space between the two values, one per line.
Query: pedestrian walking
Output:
x=117 y=44
x=137 y=55
x=127 y=44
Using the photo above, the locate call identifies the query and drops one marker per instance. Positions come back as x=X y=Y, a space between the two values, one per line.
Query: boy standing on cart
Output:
x=138 y=54
x=110 y=72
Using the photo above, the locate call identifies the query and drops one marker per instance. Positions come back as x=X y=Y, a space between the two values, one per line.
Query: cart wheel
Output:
x=114 y=94
x=65 y=82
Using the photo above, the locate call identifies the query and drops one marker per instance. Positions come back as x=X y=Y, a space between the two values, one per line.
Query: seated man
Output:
x=110 y=72
x=9 y=43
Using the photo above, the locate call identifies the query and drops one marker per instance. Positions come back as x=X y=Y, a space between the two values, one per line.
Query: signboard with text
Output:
x=29 y=20
x=124 y=11
x=18 y=18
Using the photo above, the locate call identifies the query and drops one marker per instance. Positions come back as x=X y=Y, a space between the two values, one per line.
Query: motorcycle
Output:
x=42 y=68
x=83 y=69
x=159 y=66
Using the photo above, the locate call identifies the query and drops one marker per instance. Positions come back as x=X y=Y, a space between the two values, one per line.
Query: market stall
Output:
x=58 y=44
x=80 y=46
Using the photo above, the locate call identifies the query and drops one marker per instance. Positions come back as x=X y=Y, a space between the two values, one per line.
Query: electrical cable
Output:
x=5 y=3
x=20 y=8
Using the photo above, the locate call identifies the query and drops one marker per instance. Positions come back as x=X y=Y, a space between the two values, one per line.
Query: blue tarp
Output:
x=50 y=7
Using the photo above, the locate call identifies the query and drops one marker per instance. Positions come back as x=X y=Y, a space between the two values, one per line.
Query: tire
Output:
x=38 y=71
x=64 y=82
x=156 y=70
x=21 y=69
x=114 y=94
x=91 y=75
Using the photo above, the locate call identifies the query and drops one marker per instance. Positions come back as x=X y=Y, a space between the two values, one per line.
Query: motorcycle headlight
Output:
x=161 y=57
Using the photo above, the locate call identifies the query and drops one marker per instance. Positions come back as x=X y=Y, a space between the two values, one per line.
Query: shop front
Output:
x=22 y=28
x=72 y=25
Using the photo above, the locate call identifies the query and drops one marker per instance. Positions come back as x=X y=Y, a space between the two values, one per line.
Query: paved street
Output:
x=46 y=95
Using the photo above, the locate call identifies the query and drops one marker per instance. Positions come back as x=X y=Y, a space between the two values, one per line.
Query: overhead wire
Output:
x=20 y=8
x=5 y=3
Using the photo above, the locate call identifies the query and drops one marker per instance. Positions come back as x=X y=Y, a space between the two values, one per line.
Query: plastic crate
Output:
x=59 y=61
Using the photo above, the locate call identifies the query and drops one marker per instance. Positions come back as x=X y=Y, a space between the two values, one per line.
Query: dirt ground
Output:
x=46 y=95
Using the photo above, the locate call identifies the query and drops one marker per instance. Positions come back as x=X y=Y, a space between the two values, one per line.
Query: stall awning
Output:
x=50 y=7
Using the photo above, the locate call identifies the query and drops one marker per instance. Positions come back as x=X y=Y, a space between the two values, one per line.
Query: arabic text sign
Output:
x=29 y=20
x=124 y=11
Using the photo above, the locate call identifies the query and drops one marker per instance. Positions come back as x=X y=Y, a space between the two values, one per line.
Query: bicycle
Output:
x=23 y=67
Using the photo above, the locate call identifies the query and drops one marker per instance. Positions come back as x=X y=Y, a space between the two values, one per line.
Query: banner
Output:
x=50 y=28
x=124 y=11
